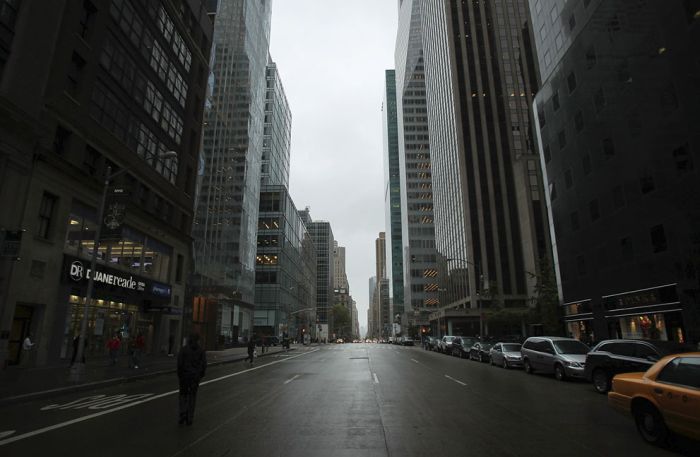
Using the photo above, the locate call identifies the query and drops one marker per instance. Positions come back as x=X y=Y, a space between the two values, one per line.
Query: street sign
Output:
x=115 y=213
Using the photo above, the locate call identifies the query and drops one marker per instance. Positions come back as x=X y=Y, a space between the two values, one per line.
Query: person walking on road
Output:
x=191 y=366
x=113 y=345
x=251 y=349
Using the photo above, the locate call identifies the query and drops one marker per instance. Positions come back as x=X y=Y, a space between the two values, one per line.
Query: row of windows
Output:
x=167 y=28
x=109 y=112
x=657 y=241
x=120 y=66
x=132 y=25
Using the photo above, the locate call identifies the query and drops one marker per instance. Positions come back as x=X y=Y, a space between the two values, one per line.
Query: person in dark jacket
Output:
x=191 y=366
x=251 y=349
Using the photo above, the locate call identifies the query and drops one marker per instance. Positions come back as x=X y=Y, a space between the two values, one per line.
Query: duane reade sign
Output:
x=78 y=272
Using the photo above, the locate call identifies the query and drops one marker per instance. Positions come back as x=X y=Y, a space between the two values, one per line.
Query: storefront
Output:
x=123 y=304
x=652 y=314
x=578 y=319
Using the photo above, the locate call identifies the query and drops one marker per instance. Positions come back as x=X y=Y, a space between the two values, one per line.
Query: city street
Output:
x=339 y=400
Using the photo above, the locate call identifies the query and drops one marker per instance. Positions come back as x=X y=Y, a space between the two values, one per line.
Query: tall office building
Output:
x=225 y=227
x=105 y=89
x=340 y=277
x=490 y=215
x=392 y=194
x=322 y=236
x=372 y=315
x=619 y=121
x=381 y=300
x=277 y=131
x=285 y=273
x=421 y=294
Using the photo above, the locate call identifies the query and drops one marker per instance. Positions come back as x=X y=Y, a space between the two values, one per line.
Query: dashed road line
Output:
x=376 y=379
x=455 y=380
x=414 y=360
x=291 y=379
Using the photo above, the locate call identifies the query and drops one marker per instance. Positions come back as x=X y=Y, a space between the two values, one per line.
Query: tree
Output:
x=546 y=299
x=341 y=321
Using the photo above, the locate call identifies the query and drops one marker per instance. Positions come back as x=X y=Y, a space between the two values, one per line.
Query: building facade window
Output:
x=658 y=239
x=46 y=215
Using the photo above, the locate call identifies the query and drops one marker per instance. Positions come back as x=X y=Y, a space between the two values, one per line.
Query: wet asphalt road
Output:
x=341 y=400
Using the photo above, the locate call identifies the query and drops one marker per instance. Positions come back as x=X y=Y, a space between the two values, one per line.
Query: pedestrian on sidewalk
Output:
x=76 y=343
x=191 y=366
x=136 y=349
x=251 y=349
x=113 y=345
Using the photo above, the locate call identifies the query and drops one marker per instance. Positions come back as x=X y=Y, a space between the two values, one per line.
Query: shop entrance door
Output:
x=21 y=324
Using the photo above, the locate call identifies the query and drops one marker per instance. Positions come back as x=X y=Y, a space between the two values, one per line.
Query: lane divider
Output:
x=136 y=403
x=414 y=360
x=376 y=379
x=291 y=379
x=455 y=380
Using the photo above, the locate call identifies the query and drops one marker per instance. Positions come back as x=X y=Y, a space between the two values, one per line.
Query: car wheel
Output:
x=491 y=361
x=651 y=425
x=559 y=373
x=528 y=367
x=601 y=381
x=505 y=363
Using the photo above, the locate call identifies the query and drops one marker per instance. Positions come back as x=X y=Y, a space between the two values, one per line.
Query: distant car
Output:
x=432 y=343
x=664 y=399
x=611 y=357
x=406 y=341
x=445 y=345
x=462 y=345
x=340 y=341
x=480 y=351
x=565 y=357
x=506 y=355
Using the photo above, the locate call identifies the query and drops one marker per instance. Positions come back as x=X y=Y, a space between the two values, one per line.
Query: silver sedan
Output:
x=506 y=355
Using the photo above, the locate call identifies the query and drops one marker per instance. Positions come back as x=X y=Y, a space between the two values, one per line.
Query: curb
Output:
x=113 y=381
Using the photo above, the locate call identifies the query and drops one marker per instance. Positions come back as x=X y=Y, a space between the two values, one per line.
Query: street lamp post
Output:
x=478 y=292
x=78 y=367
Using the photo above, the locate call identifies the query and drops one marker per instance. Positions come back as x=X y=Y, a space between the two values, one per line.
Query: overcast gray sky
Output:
x=331 y=55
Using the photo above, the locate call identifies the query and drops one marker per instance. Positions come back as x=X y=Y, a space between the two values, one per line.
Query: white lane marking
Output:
x=291 y=379
x=455 y=380
x=98 y=402
x=414 y=360
x=376 y=379
x=131 y=405
x=6 y=433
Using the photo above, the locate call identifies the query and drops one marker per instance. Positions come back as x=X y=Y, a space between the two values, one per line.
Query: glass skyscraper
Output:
x=225 y=226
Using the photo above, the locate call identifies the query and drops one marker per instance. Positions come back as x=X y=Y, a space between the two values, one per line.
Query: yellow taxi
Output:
x=666 y=398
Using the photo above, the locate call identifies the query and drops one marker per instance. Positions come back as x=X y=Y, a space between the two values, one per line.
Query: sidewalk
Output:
x=22 y=384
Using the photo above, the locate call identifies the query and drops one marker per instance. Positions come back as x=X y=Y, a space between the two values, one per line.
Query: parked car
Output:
x=506 y=355
x=461 y=346
x=611 y=357
x=445 y=345
x=480 y=351
x=406 y=341
x=664 y=399
x=433 y=343
x=565 y=357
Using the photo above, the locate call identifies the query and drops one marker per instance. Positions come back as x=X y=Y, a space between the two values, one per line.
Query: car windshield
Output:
x=511 y=348
x=449 y=338
x=486 y=346
x=467 y=342
x=570 y=347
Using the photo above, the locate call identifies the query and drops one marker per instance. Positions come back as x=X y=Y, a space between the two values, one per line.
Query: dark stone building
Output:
x=88 y=87
x=619 y=125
